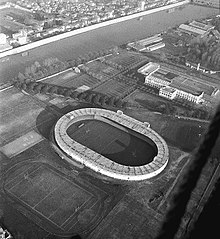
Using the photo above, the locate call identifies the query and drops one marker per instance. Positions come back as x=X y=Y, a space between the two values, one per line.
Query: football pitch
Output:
x=51 y=195
x=119 y=145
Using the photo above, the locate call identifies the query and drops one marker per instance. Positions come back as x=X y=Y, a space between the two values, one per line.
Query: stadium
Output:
x=111 y=143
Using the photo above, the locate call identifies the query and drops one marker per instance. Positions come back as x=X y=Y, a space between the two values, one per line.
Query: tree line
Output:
x=88 y=96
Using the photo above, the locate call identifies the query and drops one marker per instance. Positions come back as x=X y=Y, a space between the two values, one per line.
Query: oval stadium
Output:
x=111 y=143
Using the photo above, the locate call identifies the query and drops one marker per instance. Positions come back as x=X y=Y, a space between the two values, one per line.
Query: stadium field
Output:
x=63 y=203
x=119 y=145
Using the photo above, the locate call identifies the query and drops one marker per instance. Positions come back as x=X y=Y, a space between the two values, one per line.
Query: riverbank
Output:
x=88 y=28
x=102 y=38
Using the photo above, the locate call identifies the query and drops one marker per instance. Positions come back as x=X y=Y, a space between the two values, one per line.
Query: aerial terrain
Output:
x=161 y=69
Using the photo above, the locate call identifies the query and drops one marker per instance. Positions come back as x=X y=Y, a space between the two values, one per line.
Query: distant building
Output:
x=149 y=68
x=3 y=39
x=201 y=25
x=155 y=47
x=214 y=3
x=192 y=30
x=4 y=45
x=141 y=5
x=141 y=45
x=198 y=67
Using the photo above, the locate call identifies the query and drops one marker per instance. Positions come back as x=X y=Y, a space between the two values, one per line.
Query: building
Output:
x=169 y=84
x=213 y=3
x=149 y=68
x=168 y=92
x=141 y=5
x=198 y=67
x=156 y=82
x=155 y=47
x=150 y=40
x=3 y=39
x=141 y=45
x=202 y=26
x=192 y=30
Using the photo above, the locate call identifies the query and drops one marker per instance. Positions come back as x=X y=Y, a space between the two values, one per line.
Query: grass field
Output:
x=50 y=195
x=74 y=81
x=126 y=59
x=97 y=67
x=18 y=114
x=113 y=88
x=182 y=133
x=118 y=145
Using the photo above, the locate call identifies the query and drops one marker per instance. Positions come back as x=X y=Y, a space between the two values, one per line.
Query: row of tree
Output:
x=37 y=71
x=86 y=96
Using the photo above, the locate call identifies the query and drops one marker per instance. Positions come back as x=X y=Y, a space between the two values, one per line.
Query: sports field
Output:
x=19 y=113
x=63 y=203
x=126 y=59
x=119 y=145
x=113 y=88
x=97 y=67
x=71 y=79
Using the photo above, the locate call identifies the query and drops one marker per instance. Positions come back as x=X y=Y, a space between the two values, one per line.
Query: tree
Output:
x=118 y=103
x=111 y=101
x=38 y=87
x=68 y=93
x=31 y=86
x=21 y=76
x=96 y=98
x=103 y=100
x=89 y=98
x=82 y=96
x=74 y=94
x=45 y=89
x=61 y=91
x=53 y=90
x=24 y=86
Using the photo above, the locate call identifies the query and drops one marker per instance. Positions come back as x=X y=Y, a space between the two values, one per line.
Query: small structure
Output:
x=168 y=92
x=155 y=47
x=149 y=68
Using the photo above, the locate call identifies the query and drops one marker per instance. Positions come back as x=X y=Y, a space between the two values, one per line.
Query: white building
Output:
x=171 y=93
x=155 y=47
x=192 y=30
x=156 y=82
x=201 y=25
x=168 y=92
x=3 y=39
x=149 y=68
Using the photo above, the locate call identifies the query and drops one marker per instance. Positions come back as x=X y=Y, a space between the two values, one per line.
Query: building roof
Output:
x=192 y=29
x=155 y=46
x=149 y=68
x=201 y=25
x=186 y=88
x=168 y=89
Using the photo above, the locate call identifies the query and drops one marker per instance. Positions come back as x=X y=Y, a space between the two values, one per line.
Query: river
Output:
x=104 y=37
